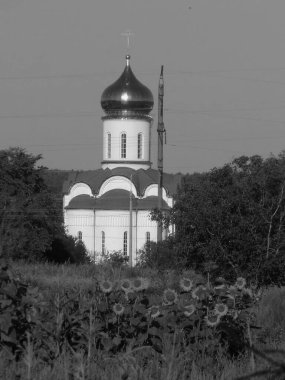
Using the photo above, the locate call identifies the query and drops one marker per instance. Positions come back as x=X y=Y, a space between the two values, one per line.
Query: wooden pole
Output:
x=131 y=226
x=160 y=131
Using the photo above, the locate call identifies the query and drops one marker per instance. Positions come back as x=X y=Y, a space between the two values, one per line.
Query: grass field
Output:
x=71 y=316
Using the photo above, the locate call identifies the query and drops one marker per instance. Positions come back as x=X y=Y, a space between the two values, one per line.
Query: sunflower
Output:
x=138 y=284
x=130 y=295
x=233 y=291
x=118 y=309
x=169 y=296
x=221 y=309
x=106 y=286
x=200 y=292
x=126 y=285
x=154 y=311
x=186 y=284
x=190 y=309
x=240 y=283
x=212 y=319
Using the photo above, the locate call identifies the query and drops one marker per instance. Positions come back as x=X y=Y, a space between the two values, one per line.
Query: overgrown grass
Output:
x=143 y=362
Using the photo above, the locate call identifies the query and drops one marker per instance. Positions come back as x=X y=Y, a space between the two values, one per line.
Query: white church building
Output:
x=107 y=207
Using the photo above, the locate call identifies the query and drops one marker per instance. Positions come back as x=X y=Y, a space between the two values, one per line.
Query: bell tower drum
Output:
x=127 y=104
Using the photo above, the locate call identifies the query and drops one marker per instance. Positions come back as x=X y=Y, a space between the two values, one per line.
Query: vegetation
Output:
x=201 y=305
x=31 y=225
x=85 y=322
x=233 y=219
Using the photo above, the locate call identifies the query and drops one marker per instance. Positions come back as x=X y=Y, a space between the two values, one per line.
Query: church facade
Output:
x=108 y=207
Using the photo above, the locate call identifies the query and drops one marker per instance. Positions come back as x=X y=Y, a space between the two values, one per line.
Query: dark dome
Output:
x=127 y=94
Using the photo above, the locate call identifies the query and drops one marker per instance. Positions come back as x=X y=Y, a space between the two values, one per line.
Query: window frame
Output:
x=103 y=242
x=123 y=145
x=125 y=243
x=140 y=146
x=109 y=145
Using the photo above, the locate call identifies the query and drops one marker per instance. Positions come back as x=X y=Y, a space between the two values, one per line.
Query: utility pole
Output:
x=131 y=226
x=161 y=132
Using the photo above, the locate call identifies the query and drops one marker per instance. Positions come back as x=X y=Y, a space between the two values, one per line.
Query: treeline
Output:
x=230 y=221
x=31 y=220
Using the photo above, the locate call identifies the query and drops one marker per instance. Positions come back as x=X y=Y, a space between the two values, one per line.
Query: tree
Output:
x=29 y=216
x=234 y=217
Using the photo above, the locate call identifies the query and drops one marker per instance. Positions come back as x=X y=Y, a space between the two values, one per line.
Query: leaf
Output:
x=140 y=308
x=102 y=307
x=135 y=321
x=154 y=331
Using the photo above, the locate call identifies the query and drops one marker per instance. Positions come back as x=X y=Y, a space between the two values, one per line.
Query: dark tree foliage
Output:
x=234 y=217
x=31 y=224
x=66 y=249
x=29 y=218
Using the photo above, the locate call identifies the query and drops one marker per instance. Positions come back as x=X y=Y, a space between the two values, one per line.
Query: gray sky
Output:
x=224 y=66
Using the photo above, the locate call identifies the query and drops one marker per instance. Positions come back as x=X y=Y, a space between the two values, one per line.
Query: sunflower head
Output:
x=118 y=309
x=221 y=309
x=154 y=311
x=186 y=284
x=212 y=320
x=138 y=284
x=169 y=296
x=126 y=285
x=200 y=292
x=106 y=286
x=240 y=282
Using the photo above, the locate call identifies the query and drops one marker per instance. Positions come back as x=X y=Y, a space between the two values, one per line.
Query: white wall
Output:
x=132 y=128
x=114 y=223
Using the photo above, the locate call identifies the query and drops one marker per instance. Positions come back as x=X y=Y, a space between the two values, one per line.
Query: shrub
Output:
x=67 y=249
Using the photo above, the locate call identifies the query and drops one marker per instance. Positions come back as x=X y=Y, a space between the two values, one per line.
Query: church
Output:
x=109 y=208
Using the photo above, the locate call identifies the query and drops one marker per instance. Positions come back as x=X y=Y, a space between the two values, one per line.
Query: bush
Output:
x=67 y=249
x=160 y=256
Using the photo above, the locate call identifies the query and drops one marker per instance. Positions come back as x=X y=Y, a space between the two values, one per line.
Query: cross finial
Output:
x=128 y=35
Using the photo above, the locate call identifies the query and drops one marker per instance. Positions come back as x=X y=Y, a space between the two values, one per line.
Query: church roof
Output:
x=127 y=94
x=113 y=200
x=141 y=179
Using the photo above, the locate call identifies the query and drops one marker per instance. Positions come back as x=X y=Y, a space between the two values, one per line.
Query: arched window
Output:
x=103 y=242
x=109 y=145
x=140 y=145
x=147 y=237
x=79 y=235
x=125 y=246
x=123 y=145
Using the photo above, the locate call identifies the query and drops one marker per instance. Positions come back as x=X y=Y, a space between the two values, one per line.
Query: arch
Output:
x=79 y=188
x=117 y=182
x=152 y=190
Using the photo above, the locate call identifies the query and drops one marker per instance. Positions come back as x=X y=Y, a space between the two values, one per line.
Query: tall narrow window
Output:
x=79 y=235
x=140 y=145
x=123 y=145
x=147 y=237
x=103 y=242
x=109 y=145
x=125 y=246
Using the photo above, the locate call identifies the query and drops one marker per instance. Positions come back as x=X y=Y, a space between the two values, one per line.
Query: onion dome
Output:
x=127 y=95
